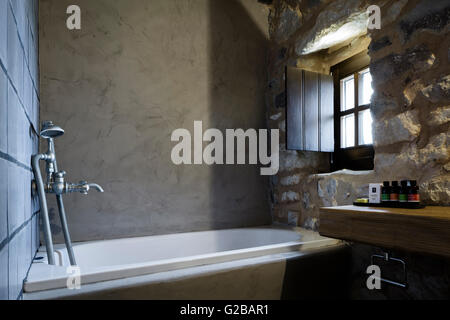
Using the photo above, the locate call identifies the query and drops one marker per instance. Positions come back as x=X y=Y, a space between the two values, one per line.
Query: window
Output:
x=353 y=120
x=331 y=113
x=354 y=116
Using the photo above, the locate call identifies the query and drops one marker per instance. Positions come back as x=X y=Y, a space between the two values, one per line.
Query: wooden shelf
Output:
x=424 y=230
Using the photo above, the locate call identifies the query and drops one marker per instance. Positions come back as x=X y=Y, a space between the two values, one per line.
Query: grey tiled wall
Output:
x=19 y=118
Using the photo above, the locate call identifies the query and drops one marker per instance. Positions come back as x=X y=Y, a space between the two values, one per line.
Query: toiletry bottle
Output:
x=385 y=192
x=404 y=191
x=395 y=190
x=413 y=195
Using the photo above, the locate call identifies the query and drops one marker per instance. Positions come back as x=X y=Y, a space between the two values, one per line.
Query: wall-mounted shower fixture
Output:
x=57 y=185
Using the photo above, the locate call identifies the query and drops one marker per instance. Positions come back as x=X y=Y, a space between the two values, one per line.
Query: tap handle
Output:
x=60 y=174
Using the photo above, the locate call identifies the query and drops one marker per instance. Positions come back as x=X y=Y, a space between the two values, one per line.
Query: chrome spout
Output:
x=96 y=187
x=83 y=187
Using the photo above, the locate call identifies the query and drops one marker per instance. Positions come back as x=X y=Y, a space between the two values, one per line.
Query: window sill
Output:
x=347 y=172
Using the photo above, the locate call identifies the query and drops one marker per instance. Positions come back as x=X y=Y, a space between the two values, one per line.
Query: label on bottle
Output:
x=385 y=197
x=414 y=197
x=403 y=197
x=394 y=197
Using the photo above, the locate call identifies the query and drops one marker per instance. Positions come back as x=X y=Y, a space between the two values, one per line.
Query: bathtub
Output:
x=109 y=265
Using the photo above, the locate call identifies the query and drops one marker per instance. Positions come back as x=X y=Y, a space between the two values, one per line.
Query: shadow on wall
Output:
x=236 y=101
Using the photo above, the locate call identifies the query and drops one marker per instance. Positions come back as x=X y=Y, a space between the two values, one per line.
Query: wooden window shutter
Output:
x=309 y=111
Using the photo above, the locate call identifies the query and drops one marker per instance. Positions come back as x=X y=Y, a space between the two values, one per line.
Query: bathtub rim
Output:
x=43 y=277
x=175 y=275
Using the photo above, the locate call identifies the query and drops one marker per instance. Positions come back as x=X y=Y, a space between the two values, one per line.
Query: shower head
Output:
x=50 y=131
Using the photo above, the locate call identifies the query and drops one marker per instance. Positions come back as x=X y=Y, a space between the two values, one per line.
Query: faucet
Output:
x=55 y=184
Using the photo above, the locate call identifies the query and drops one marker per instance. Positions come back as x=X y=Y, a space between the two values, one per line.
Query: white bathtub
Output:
x=103 y=261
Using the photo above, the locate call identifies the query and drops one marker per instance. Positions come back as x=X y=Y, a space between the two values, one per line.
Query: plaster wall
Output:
x=136 y=71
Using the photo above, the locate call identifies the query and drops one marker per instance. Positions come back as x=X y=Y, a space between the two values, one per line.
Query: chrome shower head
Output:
x=50 y=131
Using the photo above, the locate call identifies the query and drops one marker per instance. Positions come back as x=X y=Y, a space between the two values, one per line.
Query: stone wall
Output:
x=19 y=117
x=411 y=79
x=136 y=71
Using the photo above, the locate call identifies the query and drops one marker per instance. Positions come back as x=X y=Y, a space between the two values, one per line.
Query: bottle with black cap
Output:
x=395 y=190
x=385 y=192
x=413 y=194
x=404 y=191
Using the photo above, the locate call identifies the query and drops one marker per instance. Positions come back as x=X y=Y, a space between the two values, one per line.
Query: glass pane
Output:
x=365 y=127
x=347 y=93
x=348 y=131
x=365 y=90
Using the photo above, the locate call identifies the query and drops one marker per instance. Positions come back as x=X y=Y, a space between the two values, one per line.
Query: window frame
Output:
x=355 y=110
x=358 y=157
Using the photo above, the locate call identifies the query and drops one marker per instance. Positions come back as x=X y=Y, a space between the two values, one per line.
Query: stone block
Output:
x=439 y=116
x=291 y=160
x=380 y=44
x=426 y=17
x=289 y=20
x=311 y=223
x=393 y=12
x=290 y=196
x=436 y=191
x=290 y=180
x=382 y=104
x=437 y=150
x=401 y=128
x=293 y=218
x=399 y=164
x=438 y=91
x=414 y=60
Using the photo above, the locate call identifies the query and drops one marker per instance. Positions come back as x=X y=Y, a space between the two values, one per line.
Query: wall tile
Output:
x=14 y=122
x=19 y=9
x=18 y=129
x=24 y=259
x=4 y=273
x=3 y=29
x=27 y=194
x=34 y=235
x=27 y=99
x=3 y=110
x=14 y=286
x=3 y=200
x=35 y=106
x=14 y=53
x=16 y=214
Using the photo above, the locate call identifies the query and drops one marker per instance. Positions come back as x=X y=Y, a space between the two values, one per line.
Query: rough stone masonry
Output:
x=410 y=107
